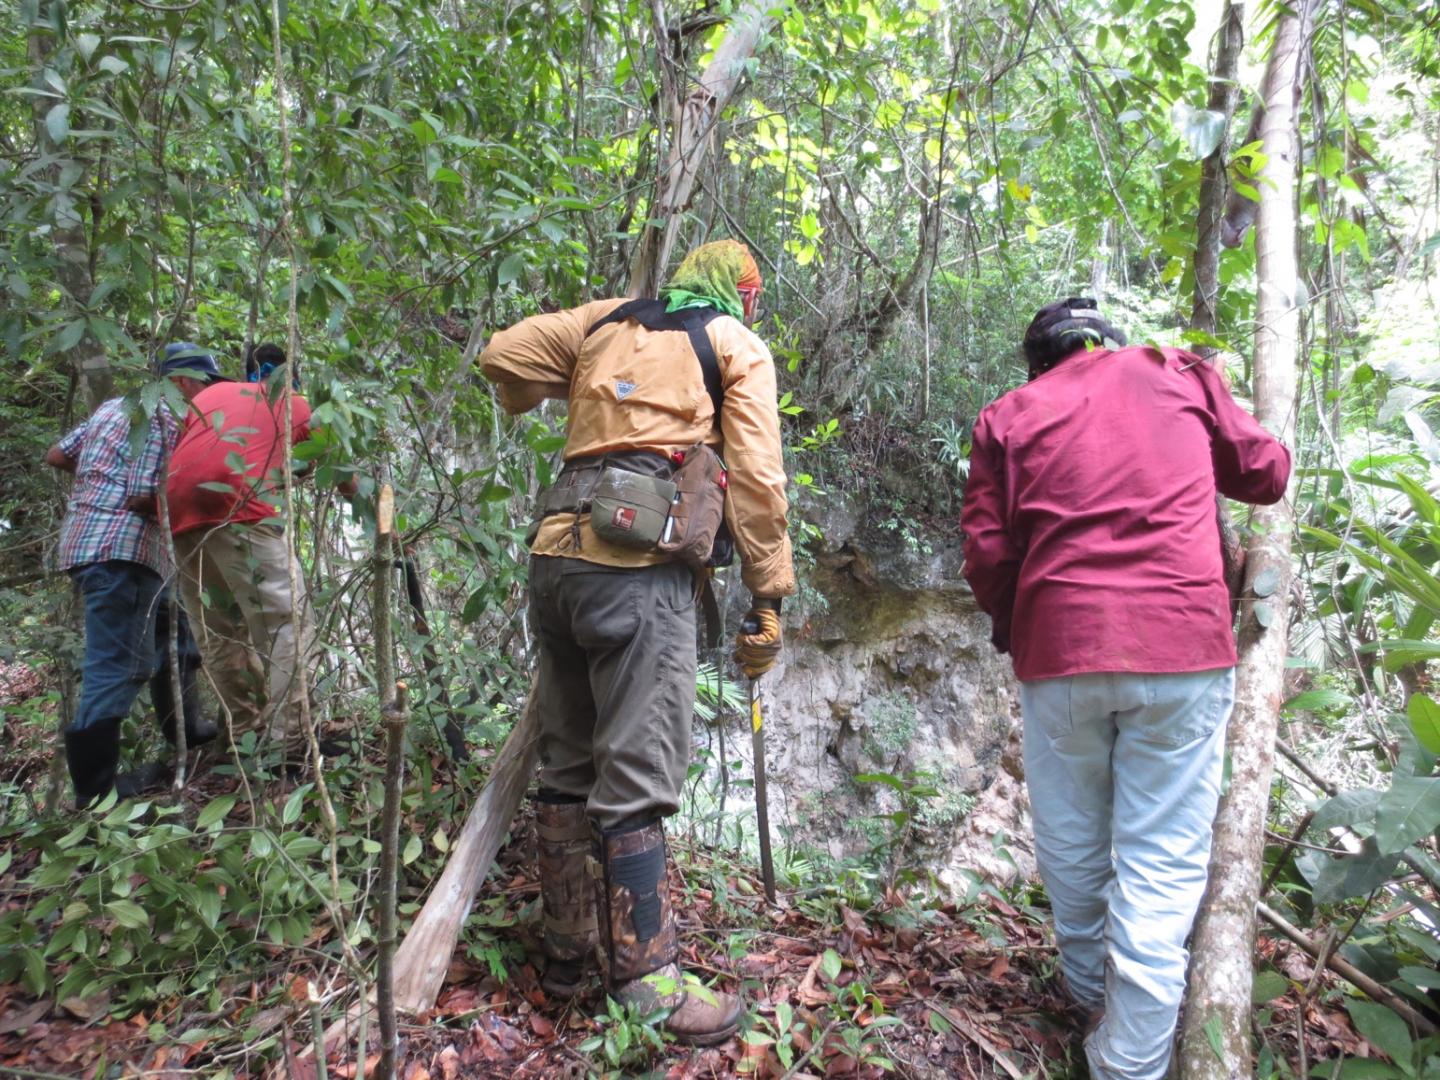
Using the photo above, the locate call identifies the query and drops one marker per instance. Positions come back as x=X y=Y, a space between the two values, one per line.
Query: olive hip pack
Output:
x=645 y=502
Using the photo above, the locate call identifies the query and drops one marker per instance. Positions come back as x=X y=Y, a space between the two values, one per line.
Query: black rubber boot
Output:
x=199 y=730
x=93 y=754
x=152 y=776
x=571 y=927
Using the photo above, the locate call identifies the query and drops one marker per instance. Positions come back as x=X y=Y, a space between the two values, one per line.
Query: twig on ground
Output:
x=1348 y=971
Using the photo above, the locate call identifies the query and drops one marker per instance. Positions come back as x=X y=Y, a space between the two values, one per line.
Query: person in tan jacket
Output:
x=615 y=625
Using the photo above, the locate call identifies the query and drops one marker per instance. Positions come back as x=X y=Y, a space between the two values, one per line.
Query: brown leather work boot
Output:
x=640 y=940
x=571 y=929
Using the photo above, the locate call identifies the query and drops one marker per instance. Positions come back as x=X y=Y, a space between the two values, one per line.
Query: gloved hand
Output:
x=758 y=643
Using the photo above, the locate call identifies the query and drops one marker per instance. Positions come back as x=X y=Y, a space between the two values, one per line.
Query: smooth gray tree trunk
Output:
x=1216 y=1042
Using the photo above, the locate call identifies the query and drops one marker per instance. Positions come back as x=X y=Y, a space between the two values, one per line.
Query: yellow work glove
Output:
x=757 y=652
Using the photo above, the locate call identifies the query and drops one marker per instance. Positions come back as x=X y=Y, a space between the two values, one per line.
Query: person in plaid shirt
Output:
x=112 y=547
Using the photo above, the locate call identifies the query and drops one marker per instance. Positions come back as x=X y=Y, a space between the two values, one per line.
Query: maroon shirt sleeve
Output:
x=992 y=558
x=1251 y=465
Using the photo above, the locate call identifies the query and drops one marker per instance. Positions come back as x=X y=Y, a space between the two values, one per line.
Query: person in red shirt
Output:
x=1091 y=541
x=225 y=490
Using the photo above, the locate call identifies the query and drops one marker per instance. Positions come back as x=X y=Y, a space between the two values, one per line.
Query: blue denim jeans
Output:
x=127 y=643
x=1124 y=778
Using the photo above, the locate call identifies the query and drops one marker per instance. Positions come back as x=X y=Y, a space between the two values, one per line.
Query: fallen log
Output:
x=424 y=955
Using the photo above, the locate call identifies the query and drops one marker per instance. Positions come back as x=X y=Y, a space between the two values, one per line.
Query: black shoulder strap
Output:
x=652 y=315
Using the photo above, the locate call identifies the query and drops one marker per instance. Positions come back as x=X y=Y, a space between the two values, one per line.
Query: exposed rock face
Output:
x=888 y=671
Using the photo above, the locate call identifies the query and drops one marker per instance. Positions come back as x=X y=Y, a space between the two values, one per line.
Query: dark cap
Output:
x=1065 y=327
x=186 y=358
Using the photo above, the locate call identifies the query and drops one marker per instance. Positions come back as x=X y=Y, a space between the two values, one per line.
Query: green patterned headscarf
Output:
x=709 y=277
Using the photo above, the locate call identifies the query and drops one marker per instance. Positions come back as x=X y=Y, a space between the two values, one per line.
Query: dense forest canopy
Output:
x=381 y=186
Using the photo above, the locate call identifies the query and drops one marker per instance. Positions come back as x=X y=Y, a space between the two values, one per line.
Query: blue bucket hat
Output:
x=187 y=358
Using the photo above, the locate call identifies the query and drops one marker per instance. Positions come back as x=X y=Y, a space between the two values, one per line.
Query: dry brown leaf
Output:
x=449 y=1062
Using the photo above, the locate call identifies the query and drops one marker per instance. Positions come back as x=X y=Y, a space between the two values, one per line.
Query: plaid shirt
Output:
x=98 y=527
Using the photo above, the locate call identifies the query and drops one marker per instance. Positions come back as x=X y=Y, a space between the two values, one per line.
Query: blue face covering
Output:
x=266 y=370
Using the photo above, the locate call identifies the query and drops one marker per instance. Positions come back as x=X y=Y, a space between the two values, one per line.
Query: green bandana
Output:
x=708 y=278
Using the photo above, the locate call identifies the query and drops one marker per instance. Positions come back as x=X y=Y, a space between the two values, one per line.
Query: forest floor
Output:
x=910 y=988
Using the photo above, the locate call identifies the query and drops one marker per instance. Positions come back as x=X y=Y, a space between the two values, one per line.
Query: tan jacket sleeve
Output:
x=750 y=423
x=535 y=359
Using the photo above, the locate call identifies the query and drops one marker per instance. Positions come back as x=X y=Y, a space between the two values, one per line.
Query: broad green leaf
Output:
x=1316 y=700
x=1424 y=716
x=511 y=268
x=1202 y=129
x=413 y=847
x=215 y=812
x=1269 y=985
x=1407 y=812
x=1334 y=878
x=831 y=964
x=1425 y=978
x=57 y=122
x=1347 y=808
x=1383 y=1029
x=1356 y=1069
x=128 y=914
x=294 y=804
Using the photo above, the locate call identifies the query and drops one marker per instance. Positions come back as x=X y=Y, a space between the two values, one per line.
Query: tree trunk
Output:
x=1215 y=1042
x=689 y=142
x=1224 y=94
x=85 y=358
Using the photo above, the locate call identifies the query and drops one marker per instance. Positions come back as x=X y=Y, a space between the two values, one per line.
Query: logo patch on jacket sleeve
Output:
x=623 y=518
x=623 y=389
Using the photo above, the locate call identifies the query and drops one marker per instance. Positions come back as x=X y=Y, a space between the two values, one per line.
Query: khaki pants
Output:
x=617 y=684
x=235 y=582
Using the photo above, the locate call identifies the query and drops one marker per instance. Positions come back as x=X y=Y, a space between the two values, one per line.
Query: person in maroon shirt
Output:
x=1091 y=541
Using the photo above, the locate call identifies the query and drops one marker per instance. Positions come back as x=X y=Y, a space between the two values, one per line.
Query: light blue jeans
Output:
x=1124 y=778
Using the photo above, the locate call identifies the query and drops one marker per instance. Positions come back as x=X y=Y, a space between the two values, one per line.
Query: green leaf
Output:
x=1266 y=582
x=511 y=268
x=1408 y=811
x=1317 y=700
x=1356 y=1069
x=1426 y=978
x=1382 y=1029
x=1216 y=1038
x=831 y=964
x=294 y=804
x=1202 y=129
x=57 y=122
x=1268 y=986
x=1347 y=808
x=413 y=847
x=128 y=914
x=215 y=812
x=1424 y=716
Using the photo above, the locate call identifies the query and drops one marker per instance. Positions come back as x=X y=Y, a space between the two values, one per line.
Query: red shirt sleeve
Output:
x=1251 y=465
x=992 y=558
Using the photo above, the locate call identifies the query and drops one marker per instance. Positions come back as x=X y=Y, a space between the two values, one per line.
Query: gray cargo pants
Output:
x=616 y=684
